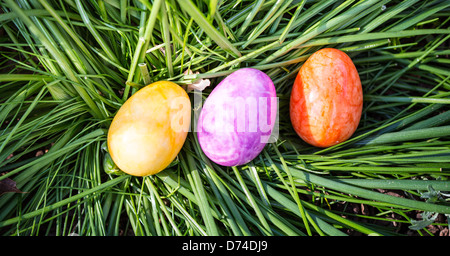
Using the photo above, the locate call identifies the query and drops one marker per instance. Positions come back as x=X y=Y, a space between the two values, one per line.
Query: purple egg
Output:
x=238 y=117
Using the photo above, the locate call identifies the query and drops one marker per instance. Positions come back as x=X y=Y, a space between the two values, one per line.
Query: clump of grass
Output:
x=68 y=66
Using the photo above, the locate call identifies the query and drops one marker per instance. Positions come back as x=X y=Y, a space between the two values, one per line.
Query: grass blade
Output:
x=221 y=40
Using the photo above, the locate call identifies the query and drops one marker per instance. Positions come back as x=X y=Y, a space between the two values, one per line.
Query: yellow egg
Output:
x=150 y=128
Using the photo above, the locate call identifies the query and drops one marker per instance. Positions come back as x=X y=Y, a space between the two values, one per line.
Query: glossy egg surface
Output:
x=326 y=100
x=238 y=117
x=150 y=129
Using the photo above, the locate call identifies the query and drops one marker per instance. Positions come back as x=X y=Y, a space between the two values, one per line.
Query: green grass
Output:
x=67 y=66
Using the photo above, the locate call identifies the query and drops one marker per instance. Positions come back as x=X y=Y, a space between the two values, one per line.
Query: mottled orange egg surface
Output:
x=326 y=100
x=150 y=129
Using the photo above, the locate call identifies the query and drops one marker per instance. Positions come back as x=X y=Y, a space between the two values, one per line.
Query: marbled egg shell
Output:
x=326 y=100
x=238 y=117
x=150 y=128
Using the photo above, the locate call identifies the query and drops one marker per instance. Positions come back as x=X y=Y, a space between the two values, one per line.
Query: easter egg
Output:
x=150 y=129
x=238 y=117
x=326 y=99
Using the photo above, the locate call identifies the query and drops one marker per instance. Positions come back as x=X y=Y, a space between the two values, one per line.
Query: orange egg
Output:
x=326 y=100
x=150 y=128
